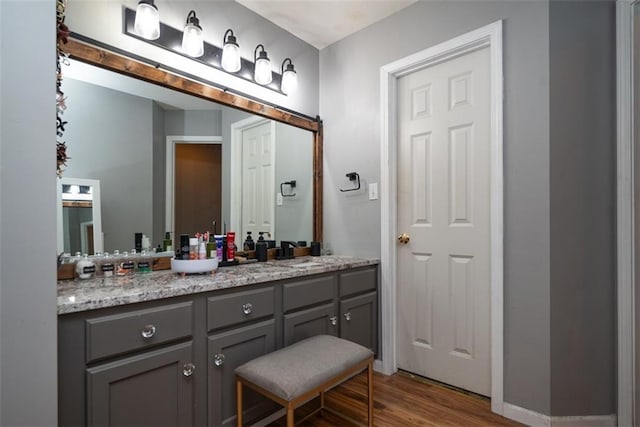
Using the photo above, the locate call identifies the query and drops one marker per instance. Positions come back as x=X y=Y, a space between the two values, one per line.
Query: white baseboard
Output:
x=532 y=418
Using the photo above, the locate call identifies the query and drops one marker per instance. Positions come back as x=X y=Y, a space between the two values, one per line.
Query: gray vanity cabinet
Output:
x=171 y=362
x=359 y=306
x=310 y=308
x=154 y=388
x=226 y=352
x=358 y=320
x=242 y=327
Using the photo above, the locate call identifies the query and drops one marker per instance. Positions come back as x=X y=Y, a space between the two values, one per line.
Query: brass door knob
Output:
x=404 y=238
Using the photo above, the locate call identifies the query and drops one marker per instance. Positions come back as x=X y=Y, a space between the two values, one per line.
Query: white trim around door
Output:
x=172 y=140
x=487 y=36
x=626 y=243
x=235 y=181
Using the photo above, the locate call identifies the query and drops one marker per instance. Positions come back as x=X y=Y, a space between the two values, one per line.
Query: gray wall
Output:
x=294 y=157
x=28 y=343
x=109 y=137
x=559 y=178
x=583 y=188
x=349 y=107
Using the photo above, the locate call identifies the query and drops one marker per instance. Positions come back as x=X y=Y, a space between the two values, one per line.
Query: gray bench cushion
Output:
x=293 y=370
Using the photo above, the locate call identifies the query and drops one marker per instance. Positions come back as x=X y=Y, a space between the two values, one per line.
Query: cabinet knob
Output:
x=333 y=320
x=148 y=331
x=347 y=316
x=247 y=308
x=187 y=369
x=218 y=359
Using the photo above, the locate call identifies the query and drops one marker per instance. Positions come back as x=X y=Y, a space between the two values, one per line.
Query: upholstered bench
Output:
x=295 y=374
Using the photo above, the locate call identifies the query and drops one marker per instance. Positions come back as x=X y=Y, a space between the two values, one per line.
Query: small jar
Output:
x=85 y=268
x=107 y=267
x=143 y=264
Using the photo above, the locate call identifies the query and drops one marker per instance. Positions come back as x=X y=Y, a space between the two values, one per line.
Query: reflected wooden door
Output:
x=197 y=196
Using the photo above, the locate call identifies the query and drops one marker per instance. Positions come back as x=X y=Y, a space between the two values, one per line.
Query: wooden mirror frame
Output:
x=88 y=53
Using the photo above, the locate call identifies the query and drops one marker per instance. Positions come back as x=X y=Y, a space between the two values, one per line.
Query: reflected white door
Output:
x=443 y=279
x=258 y=191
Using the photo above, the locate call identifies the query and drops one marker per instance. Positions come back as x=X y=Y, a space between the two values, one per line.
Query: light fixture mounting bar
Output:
x=171 y=40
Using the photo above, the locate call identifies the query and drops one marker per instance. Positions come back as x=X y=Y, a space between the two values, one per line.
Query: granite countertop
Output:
x=82 y=295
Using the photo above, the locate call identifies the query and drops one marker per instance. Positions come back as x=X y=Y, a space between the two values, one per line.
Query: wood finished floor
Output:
x=401 y=400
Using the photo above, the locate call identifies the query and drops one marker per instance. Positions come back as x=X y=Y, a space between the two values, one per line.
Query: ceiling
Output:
x=323 y=22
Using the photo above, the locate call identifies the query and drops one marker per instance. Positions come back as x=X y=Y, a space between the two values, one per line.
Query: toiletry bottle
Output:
x=184 y=246
x=167 y=244
x=193 y=248
x=202 y=249
x=138 y=242
x=219 y=244
x=231 y=245
x=85 y=268
x=211 y=247
x=249 y=244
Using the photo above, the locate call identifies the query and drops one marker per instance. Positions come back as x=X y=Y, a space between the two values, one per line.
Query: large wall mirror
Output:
x=172 y=154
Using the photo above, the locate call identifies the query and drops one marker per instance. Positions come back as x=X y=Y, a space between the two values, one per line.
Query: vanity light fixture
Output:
x=226 y=58
x=230 y=53
x=262 y=72
x=147 y=23
x=192 y=40
x=289 y=77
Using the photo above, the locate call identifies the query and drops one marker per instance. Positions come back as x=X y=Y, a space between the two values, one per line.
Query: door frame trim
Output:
x=626 y=242
x=488 y=36
x=235 y=173
x=170 y=161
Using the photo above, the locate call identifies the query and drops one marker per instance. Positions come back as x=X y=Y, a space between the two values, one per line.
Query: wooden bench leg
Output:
x=290 y=410
x=238 y=403
x=322 y=400
x=370 y=392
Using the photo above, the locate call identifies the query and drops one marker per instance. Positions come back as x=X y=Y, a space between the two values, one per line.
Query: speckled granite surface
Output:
x=83 y=295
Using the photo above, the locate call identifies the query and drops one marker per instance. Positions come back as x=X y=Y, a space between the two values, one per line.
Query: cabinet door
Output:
x=151 y=389
x=359 y=320
x=227 y=351
x=307 y=323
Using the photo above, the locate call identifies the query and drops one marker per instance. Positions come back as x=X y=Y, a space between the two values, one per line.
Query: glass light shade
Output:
x=192 y=41
x=147 y=23
x=231 y=57
x=262 y=74
x=289 y=81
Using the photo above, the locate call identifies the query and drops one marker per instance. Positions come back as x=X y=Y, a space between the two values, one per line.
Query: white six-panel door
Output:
x=443 y=272
x=257 y=181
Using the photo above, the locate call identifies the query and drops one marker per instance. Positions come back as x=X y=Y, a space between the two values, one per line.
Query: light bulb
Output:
x=262 y=71
x=230 y=53
x=147 y=22
x=289 y=77
x=192 y=40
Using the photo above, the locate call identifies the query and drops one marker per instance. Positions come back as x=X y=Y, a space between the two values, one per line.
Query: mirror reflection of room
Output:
x=169 y=162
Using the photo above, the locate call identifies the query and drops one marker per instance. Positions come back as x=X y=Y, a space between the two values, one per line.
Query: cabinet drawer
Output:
x=358 y=281
x=238 y=307
x=308 y=292
x=134 y=330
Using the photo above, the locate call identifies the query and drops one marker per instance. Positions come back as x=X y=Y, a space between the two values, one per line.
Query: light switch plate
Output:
x=373 y=191
x=279 y=199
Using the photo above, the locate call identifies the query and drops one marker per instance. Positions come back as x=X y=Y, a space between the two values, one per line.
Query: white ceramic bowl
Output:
x=194 y=266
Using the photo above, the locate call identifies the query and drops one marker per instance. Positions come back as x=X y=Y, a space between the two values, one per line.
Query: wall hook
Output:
x=291 y=184
x=353 y=176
